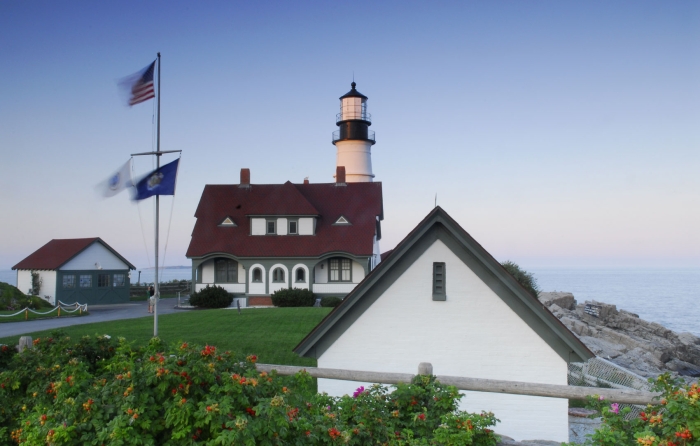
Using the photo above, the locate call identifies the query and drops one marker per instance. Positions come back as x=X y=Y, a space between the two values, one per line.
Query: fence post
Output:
x=25 y=342
x=425 y=368
x=59 y=311
x=26 y=314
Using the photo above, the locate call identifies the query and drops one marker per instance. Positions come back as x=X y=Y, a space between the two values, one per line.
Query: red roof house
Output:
x=254 y=239
x=85 y=270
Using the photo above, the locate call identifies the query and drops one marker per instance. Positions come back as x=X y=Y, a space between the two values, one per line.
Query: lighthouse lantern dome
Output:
x=353 y=106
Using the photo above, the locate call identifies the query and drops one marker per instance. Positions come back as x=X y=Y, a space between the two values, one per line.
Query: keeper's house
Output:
x=85 y=270
x=439 y=297
x=255 y=239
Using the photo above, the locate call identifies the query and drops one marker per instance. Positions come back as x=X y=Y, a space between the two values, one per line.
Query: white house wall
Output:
x=306 y=226
x=24 y=280
x=358 y=272
x=281 y=226
x=473 y=334
x=256 y=288
x=257 y=226
x=321 y=272
x=208 y=272
x=95 y=253
x=293 y=278
x=241 y=273
x=48 y=283
x=276 y=286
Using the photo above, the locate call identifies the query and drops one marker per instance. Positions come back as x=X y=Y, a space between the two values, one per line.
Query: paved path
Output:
x=98 y=313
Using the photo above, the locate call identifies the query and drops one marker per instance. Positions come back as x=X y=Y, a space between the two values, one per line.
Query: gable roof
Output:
x=360 y=203
x=58 y=252
x=439 y=225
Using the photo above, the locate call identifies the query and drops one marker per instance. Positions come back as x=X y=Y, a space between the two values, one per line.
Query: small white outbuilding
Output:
x=441 y=298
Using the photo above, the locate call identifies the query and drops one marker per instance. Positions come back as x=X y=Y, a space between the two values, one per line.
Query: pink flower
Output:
x=358 y=391
x=615 y=408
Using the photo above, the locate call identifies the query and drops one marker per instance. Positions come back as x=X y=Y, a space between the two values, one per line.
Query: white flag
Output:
x=117 y=182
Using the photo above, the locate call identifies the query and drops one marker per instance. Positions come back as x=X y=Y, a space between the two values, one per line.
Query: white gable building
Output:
x=441 y=298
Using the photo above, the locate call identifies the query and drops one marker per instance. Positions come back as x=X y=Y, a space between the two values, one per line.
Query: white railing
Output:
x=340 y=288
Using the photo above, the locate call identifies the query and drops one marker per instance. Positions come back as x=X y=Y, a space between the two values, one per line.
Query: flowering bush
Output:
x=100 y=390
x=676 y=422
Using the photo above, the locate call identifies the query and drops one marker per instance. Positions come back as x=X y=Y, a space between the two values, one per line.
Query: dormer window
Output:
x=227 y=222
x=293 y=227
x=271 y=227
x=342 y=221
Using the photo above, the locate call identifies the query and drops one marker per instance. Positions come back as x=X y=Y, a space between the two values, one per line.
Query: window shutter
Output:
x=439 y=290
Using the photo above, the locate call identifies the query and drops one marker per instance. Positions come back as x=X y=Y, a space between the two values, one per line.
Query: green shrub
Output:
x=330 y=301
x=211 y=297
x=294 y=297
x=675 y=422
x=13 y=299
x=100 y=390
x=527 y=280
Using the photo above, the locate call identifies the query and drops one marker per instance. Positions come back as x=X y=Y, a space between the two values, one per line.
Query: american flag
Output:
x=142 y=89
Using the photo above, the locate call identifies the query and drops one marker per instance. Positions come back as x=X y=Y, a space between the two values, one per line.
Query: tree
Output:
x=527 y=280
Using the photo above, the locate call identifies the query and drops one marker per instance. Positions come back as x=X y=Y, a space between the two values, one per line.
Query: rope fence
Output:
x=75 y=307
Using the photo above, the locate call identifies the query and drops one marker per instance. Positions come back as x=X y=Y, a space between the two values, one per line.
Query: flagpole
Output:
x=158 y=154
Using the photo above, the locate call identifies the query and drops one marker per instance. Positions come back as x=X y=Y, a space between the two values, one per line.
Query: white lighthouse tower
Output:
x=354 y=139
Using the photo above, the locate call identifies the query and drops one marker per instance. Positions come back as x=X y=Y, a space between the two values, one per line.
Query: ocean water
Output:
x=670 y=297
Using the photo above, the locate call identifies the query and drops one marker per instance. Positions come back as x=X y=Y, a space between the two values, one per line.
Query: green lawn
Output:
x=269 y=333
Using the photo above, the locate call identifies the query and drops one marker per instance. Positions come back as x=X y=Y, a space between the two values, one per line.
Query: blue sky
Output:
x=555 y=133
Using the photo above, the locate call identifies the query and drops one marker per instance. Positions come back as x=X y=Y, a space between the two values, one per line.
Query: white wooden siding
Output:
x=95 y=253
x=306 y=226
x=257 y=226
x=473 y=333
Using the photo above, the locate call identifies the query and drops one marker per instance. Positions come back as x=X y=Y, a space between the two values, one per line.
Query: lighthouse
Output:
x=353 y=139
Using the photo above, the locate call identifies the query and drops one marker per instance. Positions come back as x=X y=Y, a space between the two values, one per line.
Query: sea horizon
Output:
x=665 y=295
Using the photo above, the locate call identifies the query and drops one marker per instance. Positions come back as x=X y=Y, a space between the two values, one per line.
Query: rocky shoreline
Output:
x=645 y=348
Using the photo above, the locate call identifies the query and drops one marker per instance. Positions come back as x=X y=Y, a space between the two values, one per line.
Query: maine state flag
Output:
x=159 y=182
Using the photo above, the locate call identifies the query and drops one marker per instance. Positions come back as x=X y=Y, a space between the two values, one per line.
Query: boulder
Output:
x=562 y=299
x=646 y=348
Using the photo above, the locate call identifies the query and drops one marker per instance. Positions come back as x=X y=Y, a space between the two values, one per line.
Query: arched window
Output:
x=340 y=270
x=301 y=275
x=278 y=275
x=257 y=275
x=226 y=271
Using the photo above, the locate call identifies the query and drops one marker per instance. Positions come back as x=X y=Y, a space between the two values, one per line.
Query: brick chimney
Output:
x=340 y=176
x=306 y=180
x=245 y=177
